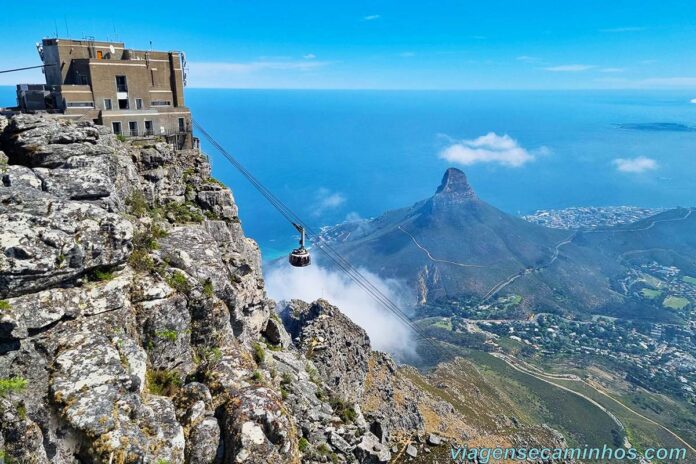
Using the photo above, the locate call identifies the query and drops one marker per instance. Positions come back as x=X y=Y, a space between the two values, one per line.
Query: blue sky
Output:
x=447 y=44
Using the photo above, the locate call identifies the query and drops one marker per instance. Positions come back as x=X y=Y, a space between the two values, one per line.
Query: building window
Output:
x=182 y=125
x=148 y=128
x=116 y=126
x=80 y=104
x=84 y=80
x=121 y=84
x=138 y=103
x=160 y=103
x=123 y=104
x=133 y=128
x=107 y=104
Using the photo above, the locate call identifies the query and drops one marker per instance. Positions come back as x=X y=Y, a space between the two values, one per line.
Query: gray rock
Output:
x=411 y=451
x=276 y=334
x=434 y=440
x=204 y=442
x=339 y=348
x=370 y=450
x=46 y=242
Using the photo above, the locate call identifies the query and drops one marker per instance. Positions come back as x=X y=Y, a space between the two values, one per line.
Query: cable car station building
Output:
x=135 y=93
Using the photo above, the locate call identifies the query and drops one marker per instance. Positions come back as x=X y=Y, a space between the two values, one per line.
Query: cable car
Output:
x=300 y=256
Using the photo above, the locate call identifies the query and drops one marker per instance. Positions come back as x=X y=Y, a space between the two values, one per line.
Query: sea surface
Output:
x=333 y=155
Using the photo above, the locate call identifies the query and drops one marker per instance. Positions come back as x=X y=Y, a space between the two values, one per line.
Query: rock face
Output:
x=338 y=348
x=135 y=328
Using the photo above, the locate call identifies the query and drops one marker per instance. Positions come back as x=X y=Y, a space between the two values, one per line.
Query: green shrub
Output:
x=22 y=411
x=163 y=382
x=12 y=384
x=158 y=231
x=100 y=275
x=5 y=305
x=120 y=137
x=259 y=353
x=213 y=180
x=137 y=204
x=213 y=354
x=208 y=289
x=170 y=335
x=256 y=375
x=324 y=449
x=303 y=444
x=343 y=409
x=178 y=282
x=183 y=212
x=140 y=260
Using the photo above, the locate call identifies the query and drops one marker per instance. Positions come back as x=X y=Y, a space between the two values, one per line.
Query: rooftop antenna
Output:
x=55 y=26
x=67 y=30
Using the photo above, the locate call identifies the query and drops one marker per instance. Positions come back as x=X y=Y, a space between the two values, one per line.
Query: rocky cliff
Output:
x=135 y=328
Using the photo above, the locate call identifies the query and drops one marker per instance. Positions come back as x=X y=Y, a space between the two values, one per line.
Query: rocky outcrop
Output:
x=339 y=348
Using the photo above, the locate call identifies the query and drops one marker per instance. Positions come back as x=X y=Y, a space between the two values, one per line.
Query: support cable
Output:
x=319 y=241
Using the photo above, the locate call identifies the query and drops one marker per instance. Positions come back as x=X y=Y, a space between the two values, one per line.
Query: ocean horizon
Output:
x=334 y=155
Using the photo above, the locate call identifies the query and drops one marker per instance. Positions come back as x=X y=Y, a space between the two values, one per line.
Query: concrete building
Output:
x=134 y=92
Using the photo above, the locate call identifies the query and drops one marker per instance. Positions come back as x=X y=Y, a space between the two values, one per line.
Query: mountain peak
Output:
x=455 y=184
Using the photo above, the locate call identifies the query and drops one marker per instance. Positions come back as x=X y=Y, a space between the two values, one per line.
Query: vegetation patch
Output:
x=140 y=260
x=137 y=204
x=259 y=353
x=163 y=382
x=183 y=212
x=303 y=444
x=12 y=385
x=5 y=305
x=689 y=280
x=171 y=335
x=208 y=289
x=100 y=275
x=675 y=302
x=212 y=180
x=178 y=282
x=343 y=409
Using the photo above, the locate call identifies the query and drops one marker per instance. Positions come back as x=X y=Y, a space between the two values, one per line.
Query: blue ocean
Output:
x=332 y=155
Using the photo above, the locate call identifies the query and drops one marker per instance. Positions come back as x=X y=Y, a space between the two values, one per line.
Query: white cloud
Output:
x=570 y=68
x=309 y=56
x=326 y=200
x=635 y=165
x=490 y=148
x=371 y=17
x=612 y=70
x=387 y=333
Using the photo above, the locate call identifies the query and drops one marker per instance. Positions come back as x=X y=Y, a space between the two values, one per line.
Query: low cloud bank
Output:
x=386 y=332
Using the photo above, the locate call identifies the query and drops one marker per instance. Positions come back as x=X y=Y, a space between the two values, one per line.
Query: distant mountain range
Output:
x=455 y=247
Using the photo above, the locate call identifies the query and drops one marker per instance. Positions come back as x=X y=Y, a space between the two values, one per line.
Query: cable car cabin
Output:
x=300 y=256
